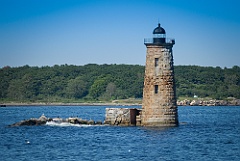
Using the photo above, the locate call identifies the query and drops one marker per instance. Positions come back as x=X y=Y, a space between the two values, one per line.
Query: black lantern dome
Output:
x=159 y=30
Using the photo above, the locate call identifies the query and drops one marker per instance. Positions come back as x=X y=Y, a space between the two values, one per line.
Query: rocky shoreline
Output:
x=186 y=102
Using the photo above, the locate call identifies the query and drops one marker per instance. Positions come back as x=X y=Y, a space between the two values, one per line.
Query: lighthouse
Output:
x=159 y=106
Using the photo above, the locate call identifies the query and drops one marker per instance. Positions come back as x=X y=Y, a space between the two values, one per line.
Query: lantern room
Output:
x=159 y=35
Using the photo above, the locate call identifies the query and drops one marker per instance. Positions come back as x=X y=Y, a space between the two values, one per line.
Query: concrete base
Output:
x=122 y=116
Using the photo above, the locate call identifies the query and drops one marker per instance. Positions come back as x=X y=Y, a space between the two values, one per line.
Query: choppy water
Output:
x=207 y=133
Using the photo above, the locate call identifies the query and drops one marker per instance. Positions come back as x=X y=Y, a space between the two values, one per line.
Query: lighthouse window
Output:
x=156 y=89
x=156 y=62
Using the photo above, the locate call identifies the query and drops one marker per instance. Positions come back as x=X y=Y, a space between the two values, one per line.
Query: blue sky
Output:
x=79 y=32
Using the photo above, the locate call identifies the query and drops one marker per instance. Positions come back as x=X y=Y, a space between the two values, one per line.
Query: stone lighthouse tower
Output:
x=159 y=95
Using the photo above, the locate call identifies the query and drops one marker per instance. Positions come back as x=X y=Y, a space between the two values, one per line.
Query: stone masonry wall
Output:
x=122 y=116
x=117 y=116
x=159 y=96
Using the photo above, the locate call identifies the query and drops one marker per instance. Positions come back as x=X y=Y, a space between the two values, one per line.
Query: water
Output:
x=205 y=133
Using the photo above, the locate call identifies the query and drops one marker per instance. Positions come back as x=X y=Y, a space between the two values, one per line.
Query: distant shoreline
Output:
x=186 y=102
x=70 y=104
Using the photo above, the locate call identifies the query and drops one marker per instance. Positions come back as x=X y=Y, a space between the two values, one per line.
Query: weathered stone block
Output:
x=121 y=116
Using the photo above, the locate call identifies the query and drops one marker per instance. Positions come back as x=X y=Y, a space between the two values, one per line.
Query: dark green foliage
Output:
x=76 y=88
x=208 y=81
x=106 y=82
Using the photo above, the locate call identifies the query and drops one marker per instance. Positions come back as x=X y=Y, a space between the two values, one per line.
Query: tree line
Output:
x=108 y=82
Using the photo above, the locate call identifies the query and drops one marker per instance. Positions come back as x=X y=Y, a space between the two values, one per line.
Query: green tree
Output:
x=98 y=87
x=76 y=88
x=111 y=90
x=16 y=90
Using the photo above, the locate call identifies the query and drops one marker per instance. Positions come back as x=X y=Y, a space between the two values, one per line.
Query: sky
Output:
x=79 y=32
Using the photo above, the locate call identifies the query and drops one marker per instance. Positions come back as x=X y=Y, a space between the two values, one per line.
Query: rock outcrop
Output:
x=43 y=120
x=32 y=122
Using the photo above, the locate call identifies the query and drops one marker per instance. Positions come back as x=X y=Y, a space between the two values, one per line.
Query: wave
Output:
x=65 y=124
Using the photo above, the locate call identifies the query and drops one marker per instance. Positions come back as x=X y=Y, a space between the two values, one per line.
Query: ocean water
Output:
x=204 y=133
